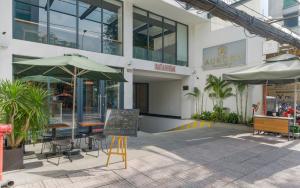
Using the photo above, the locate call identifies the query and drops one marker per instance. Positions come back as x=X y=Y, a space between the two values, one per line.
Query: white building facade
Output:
x=159 y=47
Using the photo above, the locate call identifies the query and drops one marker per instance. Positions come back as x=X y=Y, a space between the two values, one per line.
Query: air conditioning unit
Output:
x=4 y=41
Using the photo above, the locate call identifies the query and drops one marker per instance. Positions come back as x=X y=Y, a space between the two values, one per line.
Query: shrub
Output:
x=232 y=118
x=205 y=116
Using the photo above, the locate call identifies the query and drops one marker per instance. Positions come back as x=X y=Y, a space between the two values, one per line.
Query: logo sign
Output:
x=165 y=67
x=225 y=56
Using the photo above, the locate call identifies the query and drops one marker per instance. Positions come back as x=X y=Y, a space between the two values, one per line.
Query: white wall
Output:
x=205 y=38
x=165 y=98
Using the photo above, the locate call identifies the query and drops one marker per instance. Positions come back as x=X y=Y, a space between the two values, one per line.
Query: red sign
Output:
x=165 y=67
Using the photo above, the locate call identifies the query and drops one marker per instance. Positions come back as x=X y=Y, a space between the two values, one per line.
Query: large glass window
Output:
x=182 y=44
x=93 y=25
x=112 y=27
x=155 y=37
x=159 y=39
x=90 y=18
x=63 y=23
x=140 y=29
x=289 y=3
x=30 y=21
x=169 y=41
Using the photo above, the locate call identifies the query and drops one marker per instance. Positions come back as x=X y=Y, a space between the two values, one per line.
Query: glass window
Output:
x=140 y=32
x=169 y=41
x=90 y=25
x=63 y=23
x=112 y=27
x=158 y=39
x=182 y=44
x=30 y=21
x=155 y=37
x=112 y=94
x=289 y=3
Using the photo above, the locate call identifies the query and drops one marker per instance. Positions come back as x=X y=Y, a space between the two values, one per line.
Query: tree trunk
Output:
x=241 y=99
x=246 y=104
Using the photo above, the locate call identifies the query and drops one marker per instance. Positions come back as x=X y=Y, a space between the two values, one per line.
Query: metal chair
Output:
x=98 y=140
x=46 y=138
x=63 y=146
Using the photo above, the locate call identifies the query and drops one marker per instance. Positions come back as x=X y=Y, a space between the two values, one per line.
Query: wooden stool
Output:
x=121 y=148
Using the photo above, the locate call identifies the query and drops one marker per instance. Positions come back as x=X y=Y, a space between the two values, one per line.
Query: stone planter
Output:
x=13 y=159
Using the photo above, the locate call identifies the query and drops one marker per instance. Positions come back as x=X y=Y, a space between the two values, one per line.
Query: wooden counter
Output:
x=272 y=124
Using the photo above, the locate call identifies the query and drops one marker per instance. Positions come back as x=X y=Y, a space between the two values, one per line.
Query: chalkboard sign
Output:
x=121 y=122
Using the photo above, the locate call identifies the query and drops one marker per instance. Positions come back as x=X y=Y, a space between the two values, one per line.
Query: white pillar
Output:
x=128 y=51
x=128 y=89
x=5 y=39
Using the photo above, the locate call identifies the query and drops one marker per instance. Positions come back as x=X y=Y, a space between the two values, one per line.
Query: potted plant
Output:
x=23 y=106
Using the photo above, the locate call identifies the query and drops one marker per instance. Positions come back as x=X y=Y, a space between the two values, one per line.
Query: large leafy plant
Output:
x=218 y=89
x=25 y=107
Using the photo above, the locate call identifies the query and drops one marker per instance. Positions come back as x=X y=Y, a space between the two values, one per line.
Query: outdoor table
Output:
x=90 y=125
x=53 y=127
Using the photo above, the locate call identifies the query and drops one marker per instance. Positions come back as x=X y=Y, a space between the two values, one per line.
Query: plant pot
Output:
x=13 y=159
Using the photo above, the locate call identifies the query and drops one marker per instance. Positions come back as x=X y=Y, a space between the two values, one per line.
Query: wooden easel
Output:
x=121 y=149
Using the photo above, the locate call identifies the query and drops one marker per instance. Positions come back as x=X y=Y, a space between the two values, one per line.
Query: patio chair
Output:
x=63 y=146
x=98 y=139
x=46 y=137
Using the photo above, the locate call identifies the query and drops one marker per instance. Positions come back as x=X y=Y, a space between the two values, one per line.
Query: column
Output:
x=5 y=39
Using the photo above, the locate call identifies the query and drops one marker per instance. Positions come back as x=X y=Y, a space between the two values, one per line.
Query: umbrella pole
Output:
x=295 y=102
x=74 y=103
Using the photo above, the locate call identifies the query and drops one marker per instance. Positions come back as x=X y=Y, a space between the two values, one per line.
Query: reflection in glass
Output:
x=182 y=44
x=90 y=25
x=30 y=21
x=169 y=41
x=140 y=39
x=63 y=23
x=155 y=37
x=91 y=106
x=112 y=94
x=112 y=27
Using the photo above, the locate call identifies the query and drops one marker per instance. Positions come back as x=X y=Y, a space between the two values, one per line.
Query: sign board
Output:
x=165 y=67
x=270 y=47
x=225 y=56
x=121 y=122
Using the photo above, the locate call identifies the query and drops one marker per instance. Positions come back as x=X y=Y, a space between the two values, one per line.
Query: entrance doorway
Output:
x=141 y=97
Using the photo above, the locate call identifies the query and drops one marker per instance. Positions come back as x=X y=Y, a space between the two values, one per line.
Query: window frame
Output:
x=163 y=26
x=77 y=26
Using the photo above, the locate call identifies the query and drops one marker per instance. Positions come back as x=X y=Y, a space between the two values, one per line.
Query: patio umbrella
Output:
x=43 y=79
x=280 y=69
x=70 y=65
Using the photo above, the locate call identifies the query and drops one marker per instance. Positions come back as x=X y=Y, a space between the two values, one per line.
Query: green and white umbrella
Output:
x=70 y=65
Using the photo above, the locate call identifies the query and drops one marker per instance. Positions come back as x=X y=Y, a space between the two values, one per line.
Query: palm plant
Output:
x=218 y=89
x=196 y=95
x=240 y=89
x=25 y=108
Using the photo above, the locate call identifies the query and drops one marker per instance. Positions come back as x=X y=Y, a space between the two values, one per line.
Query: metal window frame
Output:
x=163 y=27
x=77 y=24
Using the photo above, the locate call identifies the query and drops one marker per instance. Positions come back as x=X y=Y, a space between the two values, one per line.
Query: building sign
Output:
x=165 y=67
x=225 y=56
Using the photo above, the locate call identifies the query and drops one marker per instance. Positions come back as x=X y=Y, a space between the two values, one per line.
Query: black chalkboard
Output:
x=121 y=122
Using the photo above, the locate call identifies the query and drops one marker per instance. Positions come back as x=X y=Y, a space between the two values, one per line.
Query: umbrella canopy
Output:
x=281 y=69
x=43 y=79
x=69 y=65
x=63 y=66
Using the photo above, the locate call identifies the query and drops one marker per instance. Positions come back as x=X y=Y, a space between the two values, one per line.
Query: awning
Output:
x=281 y=69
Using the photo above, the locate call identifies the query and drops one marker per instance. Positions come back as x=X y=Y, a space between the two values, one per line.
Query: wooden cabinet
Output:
x=272 y=124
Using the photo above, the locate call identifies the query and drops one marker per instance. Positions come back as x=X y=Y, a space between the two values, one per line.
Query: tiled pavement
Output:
x=222 y=156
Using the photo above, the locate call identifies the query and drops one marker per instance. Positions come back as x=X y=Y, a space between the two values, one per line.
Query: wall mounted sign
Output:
x=225 y=56
x=121 y=122
x=165 y=67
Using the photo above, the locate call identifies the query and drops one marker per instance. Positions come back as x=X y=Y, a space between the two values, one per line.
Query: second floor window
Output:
x=93 y=25
x=159 y=39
